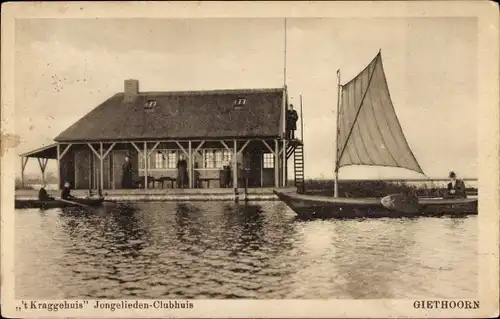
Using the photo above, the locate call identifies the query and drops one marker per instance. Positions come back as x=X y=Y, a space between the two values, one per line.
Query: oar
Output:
x=401 y=203
x=74 y=203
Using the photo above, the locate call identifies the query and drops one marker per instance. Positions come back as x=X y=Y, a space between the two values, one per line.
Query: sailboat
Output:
x=369 y=133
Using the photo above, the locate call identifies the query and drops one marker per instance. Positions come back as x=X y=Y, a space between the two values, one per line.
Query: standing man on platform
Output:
x=291 y=122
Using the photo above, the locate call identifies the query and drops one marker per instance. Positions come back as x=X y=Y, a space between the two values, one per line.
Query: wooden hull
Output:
x=451 y=206
x=33 y=203
x=307 y=206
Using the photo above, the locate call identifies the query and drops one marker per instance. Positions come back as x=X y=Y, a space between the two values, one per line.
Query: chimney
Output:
x=131 y=90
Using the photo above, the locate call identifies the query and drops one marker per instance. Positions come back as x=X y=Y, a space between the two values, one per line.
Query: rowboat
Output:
x=313 y=206
x=368 y=133
x=46 y=204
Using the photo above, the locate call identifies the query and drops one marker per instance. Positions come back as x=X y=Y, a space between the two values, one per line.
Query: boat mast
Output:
x=337 y=131
x=301 y=121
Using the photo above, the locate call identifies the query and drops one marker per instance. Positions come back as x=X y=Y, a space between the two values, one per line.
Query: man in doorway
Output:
x=456 y=187
x=291 y=122
x=196 y=176
x=127 y=173
x=182 y=172
x=226 y=167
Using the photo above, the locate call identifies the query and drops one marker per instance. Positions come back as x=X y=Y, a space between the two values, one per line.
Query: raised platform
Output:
x=194 y=194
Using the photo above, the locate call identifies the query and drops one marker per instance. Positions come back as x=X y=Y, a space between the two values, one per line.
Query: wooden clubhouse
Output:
x=154 y=129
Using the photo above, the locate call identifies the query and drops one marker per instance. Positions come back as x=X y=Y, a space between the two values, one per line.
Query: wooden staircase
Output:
x=298 y=163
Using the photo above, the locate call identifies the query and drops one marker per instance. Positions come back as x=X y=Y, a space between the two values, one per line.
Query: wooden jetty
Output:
x=196 y=194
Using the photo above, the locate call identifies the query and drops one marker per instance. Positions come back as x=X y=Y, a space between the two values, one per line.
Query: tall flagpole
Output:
x=284 y=60
x=337 y=129
x=285 y=90
x=285 y=108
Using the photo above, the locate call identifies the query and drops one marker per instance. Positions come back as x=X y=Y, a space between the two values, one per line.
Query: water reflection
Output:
x=104 y=247
x=243 y=228
x=238 y=250
x=188 y=223
x=374 y=256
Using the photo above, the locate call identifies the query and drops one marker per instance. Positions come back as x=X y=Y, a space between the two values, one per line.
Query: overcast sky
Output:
x=66 y=67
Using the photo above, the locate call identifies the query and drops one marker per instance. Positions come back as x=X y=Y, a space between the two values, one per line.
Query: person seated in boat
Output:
x=456 y=187
x=66 y=192
x=43 y=195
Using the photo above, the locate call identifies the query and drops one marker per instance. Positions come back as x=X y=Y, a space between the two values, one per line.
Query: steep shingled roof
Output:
x=194 y=114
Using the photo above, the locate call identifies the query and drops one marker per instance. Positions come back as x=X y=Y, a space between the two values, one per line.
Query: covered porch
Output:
x=42 y=155
x=97 y=165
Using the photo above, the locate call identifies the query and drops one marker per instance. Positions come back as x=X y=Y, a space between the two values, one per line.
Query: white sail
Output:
x=369 y=131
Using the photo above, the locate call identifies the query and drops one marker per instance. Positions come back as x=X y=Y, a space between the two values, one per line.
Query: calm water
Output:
x=226 y=250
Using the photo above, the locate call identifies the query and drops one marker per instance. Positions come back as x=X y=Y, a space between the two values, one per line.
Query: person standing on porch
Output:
x=182 y=172
x=291 y=122
x=226 y=167
x=127 y=173
x=196 y=175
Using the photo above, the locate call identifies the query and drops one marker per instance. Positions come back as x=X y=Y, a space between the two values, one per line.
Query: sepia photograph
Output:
x=203 y=159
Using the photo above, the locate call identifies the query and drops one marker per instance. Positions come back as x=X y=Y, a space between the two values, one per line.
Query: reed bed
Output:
x=30 y=180
x=375 y=188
